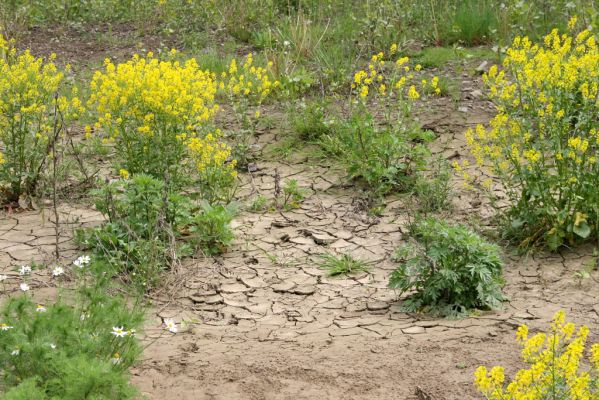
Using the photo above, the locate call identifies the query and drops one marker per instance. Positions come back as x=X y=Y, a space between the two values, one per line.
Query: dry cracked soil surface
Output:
x=264 y=322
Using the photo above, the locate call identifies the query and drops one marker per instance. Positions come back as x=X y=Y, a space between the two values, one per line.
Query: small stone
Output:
x=482 y=67
x=463 y=109
x=345 y=235
x=377 y=305
x=476 y=94
x=304 y=290
x=283 y=287
x=301 y=240
x=323 y=238
x=414 y=330
x=523 y=315
x=234 y=288
x=216 y=299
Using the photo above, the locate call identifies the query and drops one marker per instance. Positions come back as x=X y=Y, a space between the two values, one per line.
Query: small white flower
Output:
x=24 y=270
x=116 y=359
x=57 y=271
x=4 y=327
x=82 y=261
x=15 y=352
x=170 y=325
x=82 y=317
x=132 y=332
x=24 y=287
x=286 y=43
x=40 y=308
x=52 y=346
x=3 y=278
x=119 y=332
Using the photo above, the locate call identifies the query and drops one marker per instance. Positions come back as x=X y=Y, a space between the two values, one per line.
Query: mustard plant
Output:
x=555 y=369
x=33 y=115
x=384 y=150
x=543 y=144
x=158 y=114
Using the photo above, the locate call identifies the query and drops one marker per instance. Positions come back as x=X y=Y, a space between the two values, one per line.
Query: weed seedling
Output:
x=343 y=265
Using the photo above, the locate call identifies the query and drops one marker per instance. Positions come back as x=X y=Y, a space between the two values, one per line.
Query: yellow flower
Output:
x=413 y=93
x=124 y=173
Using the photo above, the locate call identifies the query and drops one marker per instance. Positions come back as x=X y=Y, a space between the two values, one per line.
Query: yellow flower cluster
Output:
x=544 y=135
x=30 y=102
x=158 y=113
x=554 y=372
x=150 y=93
x=209 y=153
x=390 y=79
x=248 y=81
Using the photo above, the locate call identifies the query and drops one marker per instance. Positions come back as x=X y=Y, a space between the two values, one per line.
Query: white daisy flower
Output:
x=40 y=308
x=24 y=270
x=119 y=332
x=170 y=325
x=116 y=359
x=57 y=271
x=82 y=261
x=15 y=352
x=52 y=346
x=24 y=287
x=4 y=327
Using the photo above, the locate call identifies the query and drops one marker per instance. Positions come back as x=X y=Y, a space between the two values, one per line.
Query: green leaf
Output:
x=582 y=229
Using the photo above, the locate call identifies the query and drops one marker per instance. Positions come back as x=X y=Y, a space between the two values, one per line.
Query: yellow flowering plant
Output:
x=159 y=114
x=33 y=117
x=245 y=86
x=380 y=143
x=543 y=144
x=555 y=373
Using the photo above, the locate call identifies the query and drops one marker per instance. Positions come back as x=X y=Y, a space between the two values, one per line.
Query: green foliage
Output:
x=342 y=265
x=384 y=158
x=450 y=268
x=293 y=195
x=210 y=229
x=433 y=189
x=472 y=24
x=311 y=121
x=68 y=349
x=142 y=220
x=259 y=204
x=149 y=227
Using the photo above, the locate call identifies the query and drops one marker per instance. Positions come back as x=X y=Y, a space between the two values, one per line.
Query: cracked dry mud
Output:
x=264 y=322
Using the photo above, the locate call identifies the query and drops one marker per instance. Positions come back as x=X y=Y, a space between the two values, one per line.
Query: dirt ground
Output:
x=264 y=322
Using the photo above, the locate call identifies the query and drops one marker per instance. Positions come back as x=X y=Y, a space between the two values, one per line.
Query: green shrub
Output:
x=310 y=122
x=450 y=268
x=142 y=220
x=380 y=143
x=73 y=348
x=433 y=189
x=210 y=229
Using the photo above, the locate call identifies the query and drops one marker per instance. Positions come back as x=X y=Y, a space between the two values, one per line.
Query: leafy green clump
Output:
x=149 y=227
x=77 y=347
x=342 y=265
x=450 y=268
